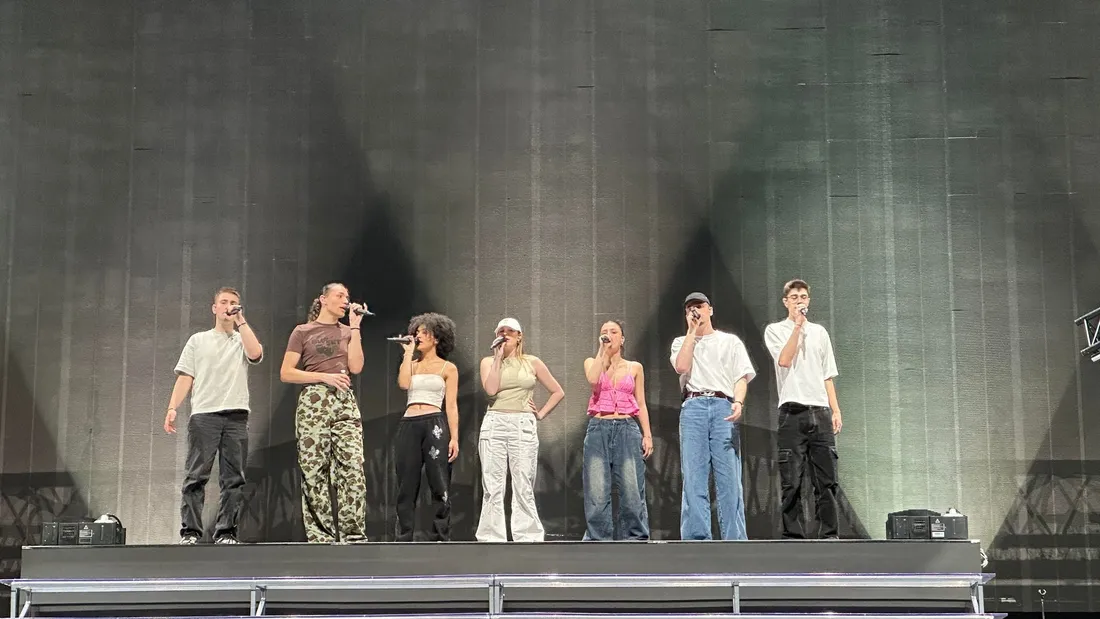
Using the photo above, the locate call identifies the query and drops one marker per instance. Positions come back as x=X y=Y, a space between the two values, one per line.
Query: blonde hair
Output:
x=520 y=355
x=315 y=307
x=226 y=290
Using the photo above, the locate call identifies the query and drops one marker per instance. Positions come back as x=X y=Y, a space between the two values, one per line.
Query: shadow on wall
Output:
x=760 y=474
x=1050 y=534
x=1049 y=537
x=29 y=497
x=347 y=210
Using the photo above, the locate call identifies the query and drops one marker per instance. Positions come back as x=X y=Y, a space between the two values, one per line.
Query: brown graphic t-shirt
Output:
x=324 y=348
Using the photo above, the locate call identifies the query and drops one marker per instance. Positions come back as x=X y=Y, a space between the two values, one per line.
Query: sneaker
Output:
x=226 y=539
x=189 y=540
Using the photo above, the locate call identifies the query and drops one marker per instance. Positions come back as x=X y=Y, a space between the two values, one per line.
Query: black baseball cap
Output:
x=696 y=297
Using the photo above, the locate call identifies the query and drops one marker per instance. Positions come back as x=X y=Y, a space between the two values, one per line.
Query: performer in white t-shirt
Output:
x=213 y=367
x=809 y=415
x=715 y=371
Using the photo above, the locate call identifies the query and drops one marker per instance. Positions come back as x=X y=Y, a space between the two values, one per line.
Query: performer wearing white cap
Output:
x=509 y=440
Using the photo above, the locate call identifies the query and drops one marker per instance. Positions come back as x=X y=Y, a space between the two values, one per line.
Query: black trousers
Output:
x=209 y=434
x=421 y=444
x=806 y=437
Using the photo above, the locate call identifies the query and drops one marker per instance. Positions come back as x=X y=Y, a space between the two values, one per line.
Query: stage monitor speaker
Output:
x=103 y=532
x=926 y=524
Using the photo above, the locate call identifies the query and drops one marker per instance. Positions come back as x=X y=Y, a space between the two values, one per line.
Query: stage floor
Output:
x=625 y=560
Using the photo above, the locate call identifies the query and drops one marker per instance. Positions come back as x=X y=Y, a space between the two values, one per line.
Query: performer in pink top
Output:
x=617 y=442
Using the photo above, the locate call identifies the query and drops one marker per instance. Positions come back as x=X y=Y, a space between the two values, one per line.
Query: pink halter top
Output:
x=608 y=399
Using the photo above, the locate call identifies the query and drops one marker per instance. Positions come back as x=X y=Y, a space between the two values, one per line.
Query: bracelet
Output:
x=355 y=328
x=243 y=324
x=171 y=409
x=739 y=402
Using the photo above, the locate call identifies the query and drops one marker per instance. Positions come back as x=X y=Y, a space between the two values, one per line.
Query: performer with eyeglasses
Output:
x=809 y=414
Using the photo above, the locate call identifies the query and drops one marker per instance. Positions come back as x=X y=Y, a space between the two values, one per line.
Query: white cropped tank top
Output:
x=428 y=388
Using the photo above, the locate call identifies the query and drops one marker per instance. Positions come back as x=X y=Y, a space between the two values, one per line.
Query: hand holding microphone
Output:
x=498 y=347
x=693 y=320
x=407 y=342
x=800 y=316
x=356 y=311
x=236 y=313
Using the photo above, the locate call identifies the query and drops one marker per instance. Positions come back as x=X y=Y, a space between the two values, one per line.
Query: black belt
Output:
x=706 y=394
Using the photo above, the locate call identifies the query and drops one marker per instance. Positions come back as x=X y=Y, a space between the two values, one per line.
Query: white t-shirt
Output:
x=718 y=361
x=812 y=365
x=217 y=362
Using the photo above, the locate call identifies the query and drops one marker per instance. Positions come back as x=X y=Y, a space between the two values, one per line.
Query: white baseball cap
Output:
x=511 y=323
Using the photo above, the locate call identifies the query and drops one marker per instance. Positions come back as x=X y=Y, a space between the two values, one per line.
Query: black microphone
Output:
x=233 y=311
x=363 y=311
x=695 y=313
x=605 y=339
x=404 y=339
x=497 y=342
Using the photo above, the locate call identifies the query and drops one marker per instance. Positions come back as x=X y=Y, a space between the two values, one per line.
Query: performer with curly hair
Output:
x=426 y=438
x=327 y=422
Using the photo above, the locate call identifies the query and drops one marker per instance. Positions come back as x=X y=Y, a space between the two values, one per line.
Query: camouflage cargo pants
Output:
x=330 y=452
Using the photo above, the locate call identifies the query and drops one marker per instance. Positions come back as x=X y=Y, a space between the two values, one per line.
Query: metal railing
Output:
x=495 y=586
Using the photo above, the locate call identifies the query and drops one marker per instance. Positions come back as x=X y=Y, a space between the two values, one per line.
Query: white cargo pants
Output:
x=509 y=442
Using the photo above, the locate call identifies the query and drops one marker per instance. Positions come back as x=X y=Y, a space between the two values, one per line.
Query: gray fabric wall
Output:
x=927 y=166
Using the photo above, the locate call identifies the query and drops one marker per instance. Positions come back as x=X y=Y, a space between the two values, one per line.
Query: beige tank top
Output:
x=517 y=385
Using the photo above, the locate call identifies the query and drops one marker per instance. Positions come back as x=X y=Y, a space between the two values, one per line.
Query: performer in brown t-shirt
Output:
x=327 y=422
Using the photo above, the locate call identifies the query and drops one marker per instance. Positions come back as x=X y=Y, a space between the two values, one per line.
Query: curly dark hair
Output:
x=442 y=328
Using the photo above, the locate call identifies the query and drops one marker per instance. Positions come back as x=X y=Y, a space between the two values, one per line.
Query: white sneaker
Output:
x=226 y=539
x=189 y=540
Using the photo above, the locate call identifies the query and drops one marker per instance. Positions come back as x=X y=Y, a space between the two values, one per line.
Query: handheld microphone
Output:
x=802 y=310
x=363 y=311
x=695 y=313
x=497 y=343
x=605 y=339
x=404 y=339
x=233 y=311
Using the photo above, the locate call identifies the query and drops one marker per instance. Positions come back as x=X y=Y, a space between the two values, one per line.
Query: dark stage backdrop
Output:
x=929 y=166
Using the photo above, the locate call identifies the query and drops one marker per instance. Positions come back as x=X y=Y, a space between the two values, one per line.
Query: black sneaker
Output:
x=189 y=540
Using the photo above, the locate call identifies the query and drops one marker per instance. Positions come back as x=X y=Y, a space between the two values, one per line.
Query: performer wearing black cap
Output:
x=714 y=370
